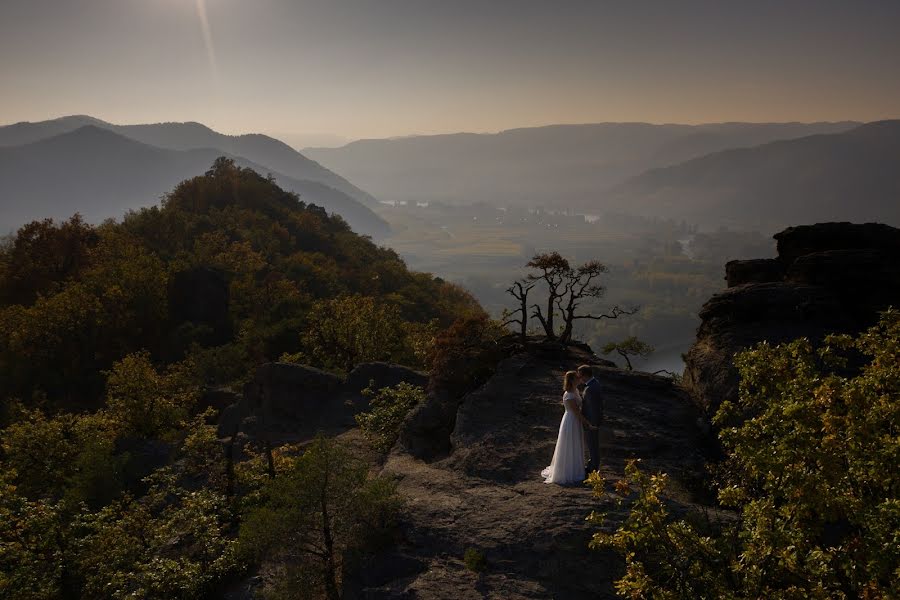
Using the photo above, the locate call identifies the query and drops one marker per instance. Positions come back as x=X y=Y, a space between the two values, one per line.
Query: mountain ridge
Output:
x=272 y=153
x=845 y=176
x=556 y=166
x=111 y=173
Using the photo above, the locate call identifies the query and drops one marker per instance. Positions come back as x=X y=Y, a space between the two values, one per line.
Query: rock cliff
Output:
x=486 y=492
x=827 y=278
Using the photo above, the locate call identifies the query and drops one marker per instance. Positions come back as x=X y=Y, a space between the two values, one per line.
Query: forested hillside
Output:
x=112 y=481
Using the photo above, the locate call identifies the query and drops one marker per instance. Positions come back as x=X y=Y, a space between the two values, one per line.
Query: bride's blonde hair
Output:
x=569 y=381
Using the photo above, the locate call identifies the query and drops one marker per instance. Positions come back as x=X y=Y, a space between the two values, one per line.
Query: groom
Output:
x=592 y=408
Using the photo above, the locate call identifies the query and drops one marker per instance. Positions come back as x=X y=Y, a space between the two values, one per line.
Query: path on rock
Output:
x=488 y=493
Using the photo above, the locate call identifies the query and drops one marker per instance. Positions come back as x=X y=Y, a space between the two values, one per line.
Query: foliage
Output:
x=310 y=517
x=630 y=346
x=146 y=401
x=172 y=543
x=465 y=354
x=348 y=330
x=111 y=484
x=388 y=408
x=810 y=475
x=76 y=298
x=63 y=457
x=475 y=560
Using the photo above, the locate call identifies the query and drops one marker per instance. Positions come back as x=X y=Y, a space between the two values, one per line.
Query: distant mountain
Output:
x=848 y=176
x=99 y=173
x=557 y=166
x=272 y=154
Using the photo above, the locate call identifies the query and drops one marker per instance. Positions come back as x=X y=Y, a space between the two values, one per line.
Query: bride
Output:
x=567 y=465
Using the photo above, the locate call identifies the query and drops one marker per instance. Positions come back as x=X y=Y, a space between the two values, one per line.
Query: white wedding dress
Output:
x=567 y=465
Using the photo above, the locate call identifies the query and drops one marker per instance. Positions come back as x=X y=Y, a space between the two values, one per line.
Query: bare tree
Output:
x=567 y=288
x=579 y=284
x=519 y=290
x=630 y=346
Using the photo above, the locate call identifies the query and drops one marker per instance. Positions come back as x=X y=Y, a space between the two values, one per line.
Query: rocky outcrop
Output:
x=760 y=270
x=485 y=491
x=291 y=402
x=828 y=278
x=382 y=374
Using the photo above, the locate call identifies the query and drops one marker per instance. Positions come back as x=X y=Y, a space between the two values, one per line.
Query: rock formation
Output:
x=485 y=491
x=288 y=402
x=828 y=278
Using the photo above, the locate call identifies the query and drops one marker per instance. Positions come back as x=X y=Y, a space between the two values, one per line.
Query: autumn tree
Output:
x=348 y=330
x=630 y=346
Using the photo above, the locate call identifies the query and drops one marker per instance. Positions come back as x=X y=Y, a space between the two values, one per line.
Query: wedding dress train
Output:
x=567 y=465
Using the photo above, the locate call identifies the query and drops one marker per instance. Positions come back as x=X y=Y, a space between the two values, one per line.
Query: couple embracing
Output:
x=579 y=427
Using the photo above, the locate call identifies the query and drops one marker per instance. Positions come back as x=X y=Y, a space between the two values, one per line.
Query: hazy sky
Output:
x=393 y=67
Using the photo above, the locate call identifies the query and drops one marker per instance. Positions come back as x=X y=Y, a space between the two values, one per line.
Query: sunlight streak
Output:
x=208 y=40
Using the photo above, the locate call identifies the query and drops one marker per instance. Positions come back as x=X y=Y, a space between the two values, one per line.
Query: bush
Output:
x=810 y=473
x=388 y=408
x=465 y=354
x=475 y=560
x=312 y=516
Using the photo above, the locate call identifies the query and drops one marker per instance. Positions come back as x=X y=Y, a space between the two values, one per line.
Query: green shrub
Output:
x=810 y=476
x=310 y=517
x=388 y=408
x=475 y=560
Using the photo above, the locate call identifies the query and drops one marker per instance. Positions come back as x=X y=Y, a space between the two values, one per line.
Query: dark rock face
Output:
x=828 y=278
x=291 y=402
x=759 y=270
x=283 y=394
x=383 y=374
x=795 y=242
x=201 y=296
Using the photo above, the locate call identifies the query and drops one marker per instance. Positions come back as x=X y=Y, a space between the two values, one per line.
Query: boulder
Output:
x=283 y=395
x=759 y=270
x=383 y=375
x=218 y=398
x=426 y=432
x=795 y=242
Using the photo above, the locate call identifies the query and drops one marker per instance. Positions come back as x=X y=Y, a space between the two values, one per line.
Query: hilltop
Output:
x=102 y=174
x=273 y=154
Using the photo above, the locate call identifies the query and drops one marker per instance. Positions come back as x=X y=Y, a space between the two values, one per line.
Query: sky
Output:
x=348 y=69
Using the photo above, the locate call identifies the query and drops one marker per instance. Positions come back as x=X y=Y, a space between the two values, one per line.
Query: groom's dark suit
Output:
x=592 y=408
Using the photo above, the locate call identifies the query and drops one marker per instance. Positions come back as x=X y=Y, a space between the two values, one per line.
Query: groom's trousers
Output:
x=592 y=437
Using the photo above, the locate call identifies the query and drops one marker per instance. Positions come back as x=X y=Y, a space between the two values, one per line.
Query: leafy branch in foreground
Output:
x=810 y=479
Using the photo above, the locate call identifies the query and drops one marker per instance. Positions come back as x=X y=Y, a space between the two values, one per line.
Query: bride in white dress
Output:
x=567 y=466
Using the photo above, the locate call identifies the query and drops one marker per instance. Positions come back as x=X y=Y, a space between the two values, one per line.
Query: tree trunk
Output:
x=270 y=460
